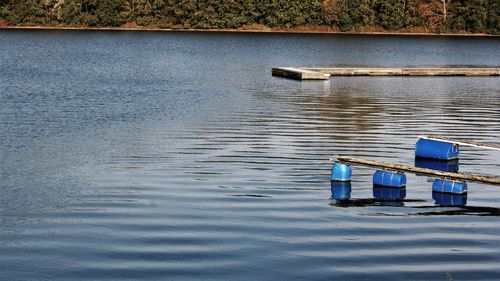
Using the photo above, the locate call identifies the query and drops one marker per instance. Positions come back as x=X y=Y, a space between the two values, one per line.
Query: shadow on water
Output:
x=370 y=202
x=435 y=210
x=396 y=197
x=461 y=211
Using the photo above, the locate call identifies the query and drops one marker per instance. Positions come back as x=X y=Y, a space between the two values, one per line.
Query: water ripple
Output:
x=147 y=166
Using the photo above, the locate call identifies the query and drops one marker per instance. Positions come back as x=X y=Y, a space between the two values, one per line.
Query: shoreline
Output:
x=270 y=31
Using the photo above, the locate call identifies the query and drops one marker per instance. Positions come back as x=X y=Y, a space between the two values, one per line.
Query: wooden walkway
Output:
x=406 y=168
x=315 y=73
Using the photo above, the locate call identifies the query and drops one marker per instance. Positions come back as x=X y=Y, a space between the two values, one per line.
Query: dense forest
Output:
x=440 y=16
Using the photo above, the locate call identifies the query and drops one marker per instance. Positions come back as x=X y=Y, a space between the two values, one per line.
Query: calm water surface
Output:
x=176 y=156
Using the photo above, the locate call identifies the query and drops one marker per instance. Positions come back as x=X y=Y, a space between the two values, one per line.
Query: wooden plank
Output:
x=356 y=71
x=299 y=74
x=408 y=71
x=322 y=73
x=486 y=145
x=451 y=71
x=406 y=168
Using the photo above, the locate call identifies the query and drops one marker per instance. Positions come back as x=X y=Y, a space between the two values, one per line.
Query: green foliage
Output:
x=493 y=18
x=391 y=14
x=71 y=12
x=30 y=11
x=108 y=12
x=346 y=15
x=476 y=16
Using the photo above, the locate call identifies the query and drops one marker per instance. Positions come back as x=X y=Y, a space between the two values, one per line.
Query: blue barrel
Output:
x=440 y=165
x=433 y=149
x=388 y=193
x=341 y=190
x=449 y=200
x=449 y=186
x=341 y=172
x=389 y=179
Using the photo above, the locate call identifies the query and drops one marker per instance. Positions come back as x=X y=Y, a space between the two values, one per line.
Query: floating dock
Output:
x=406 y=168
x=315 y=73
x=299 y=73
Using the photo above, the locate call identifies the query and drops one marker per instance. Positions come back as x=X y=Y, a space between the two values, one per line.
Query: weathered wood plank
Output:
x=407 y=71
x=353 y=71
x=450 y=71
x=322 y=73
x=406 y=168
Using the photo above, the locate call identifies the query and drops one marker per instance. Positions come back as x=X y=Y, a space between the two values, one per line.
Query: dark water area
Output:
x=177 y=156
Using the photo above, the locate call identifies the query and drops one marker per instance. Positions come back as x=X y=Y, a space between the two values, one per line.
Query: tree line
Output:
x=477 y=16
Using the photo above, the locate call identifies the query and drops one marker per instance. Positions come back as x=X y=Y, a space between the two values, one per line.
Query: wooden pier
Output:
x=406 y=168
x=315 y=73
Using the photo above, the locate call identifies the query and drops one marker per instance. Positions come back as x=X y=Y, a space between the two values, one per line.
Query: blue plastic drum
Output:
x=433 y=149
x=341 y=172
x=449 y=186
x=389 y=179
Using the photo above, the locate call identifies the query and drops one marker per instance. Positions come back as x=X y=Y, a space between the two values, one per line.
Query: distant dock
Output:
x=322 y=73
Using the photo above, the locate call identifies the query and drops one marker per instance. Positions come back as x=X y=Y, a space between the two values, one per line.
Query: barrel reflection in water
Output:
x=440 y=165
x=389 y=196
x=449 y=200
x=341 y=190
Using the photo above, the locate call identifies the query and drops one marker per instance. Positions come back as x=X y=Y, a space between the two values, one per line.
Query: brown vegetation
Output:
x=413 y=16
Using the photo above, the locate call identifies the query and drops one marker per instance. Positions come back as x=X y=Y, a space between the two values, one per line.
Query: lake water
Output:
x=177 y=156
